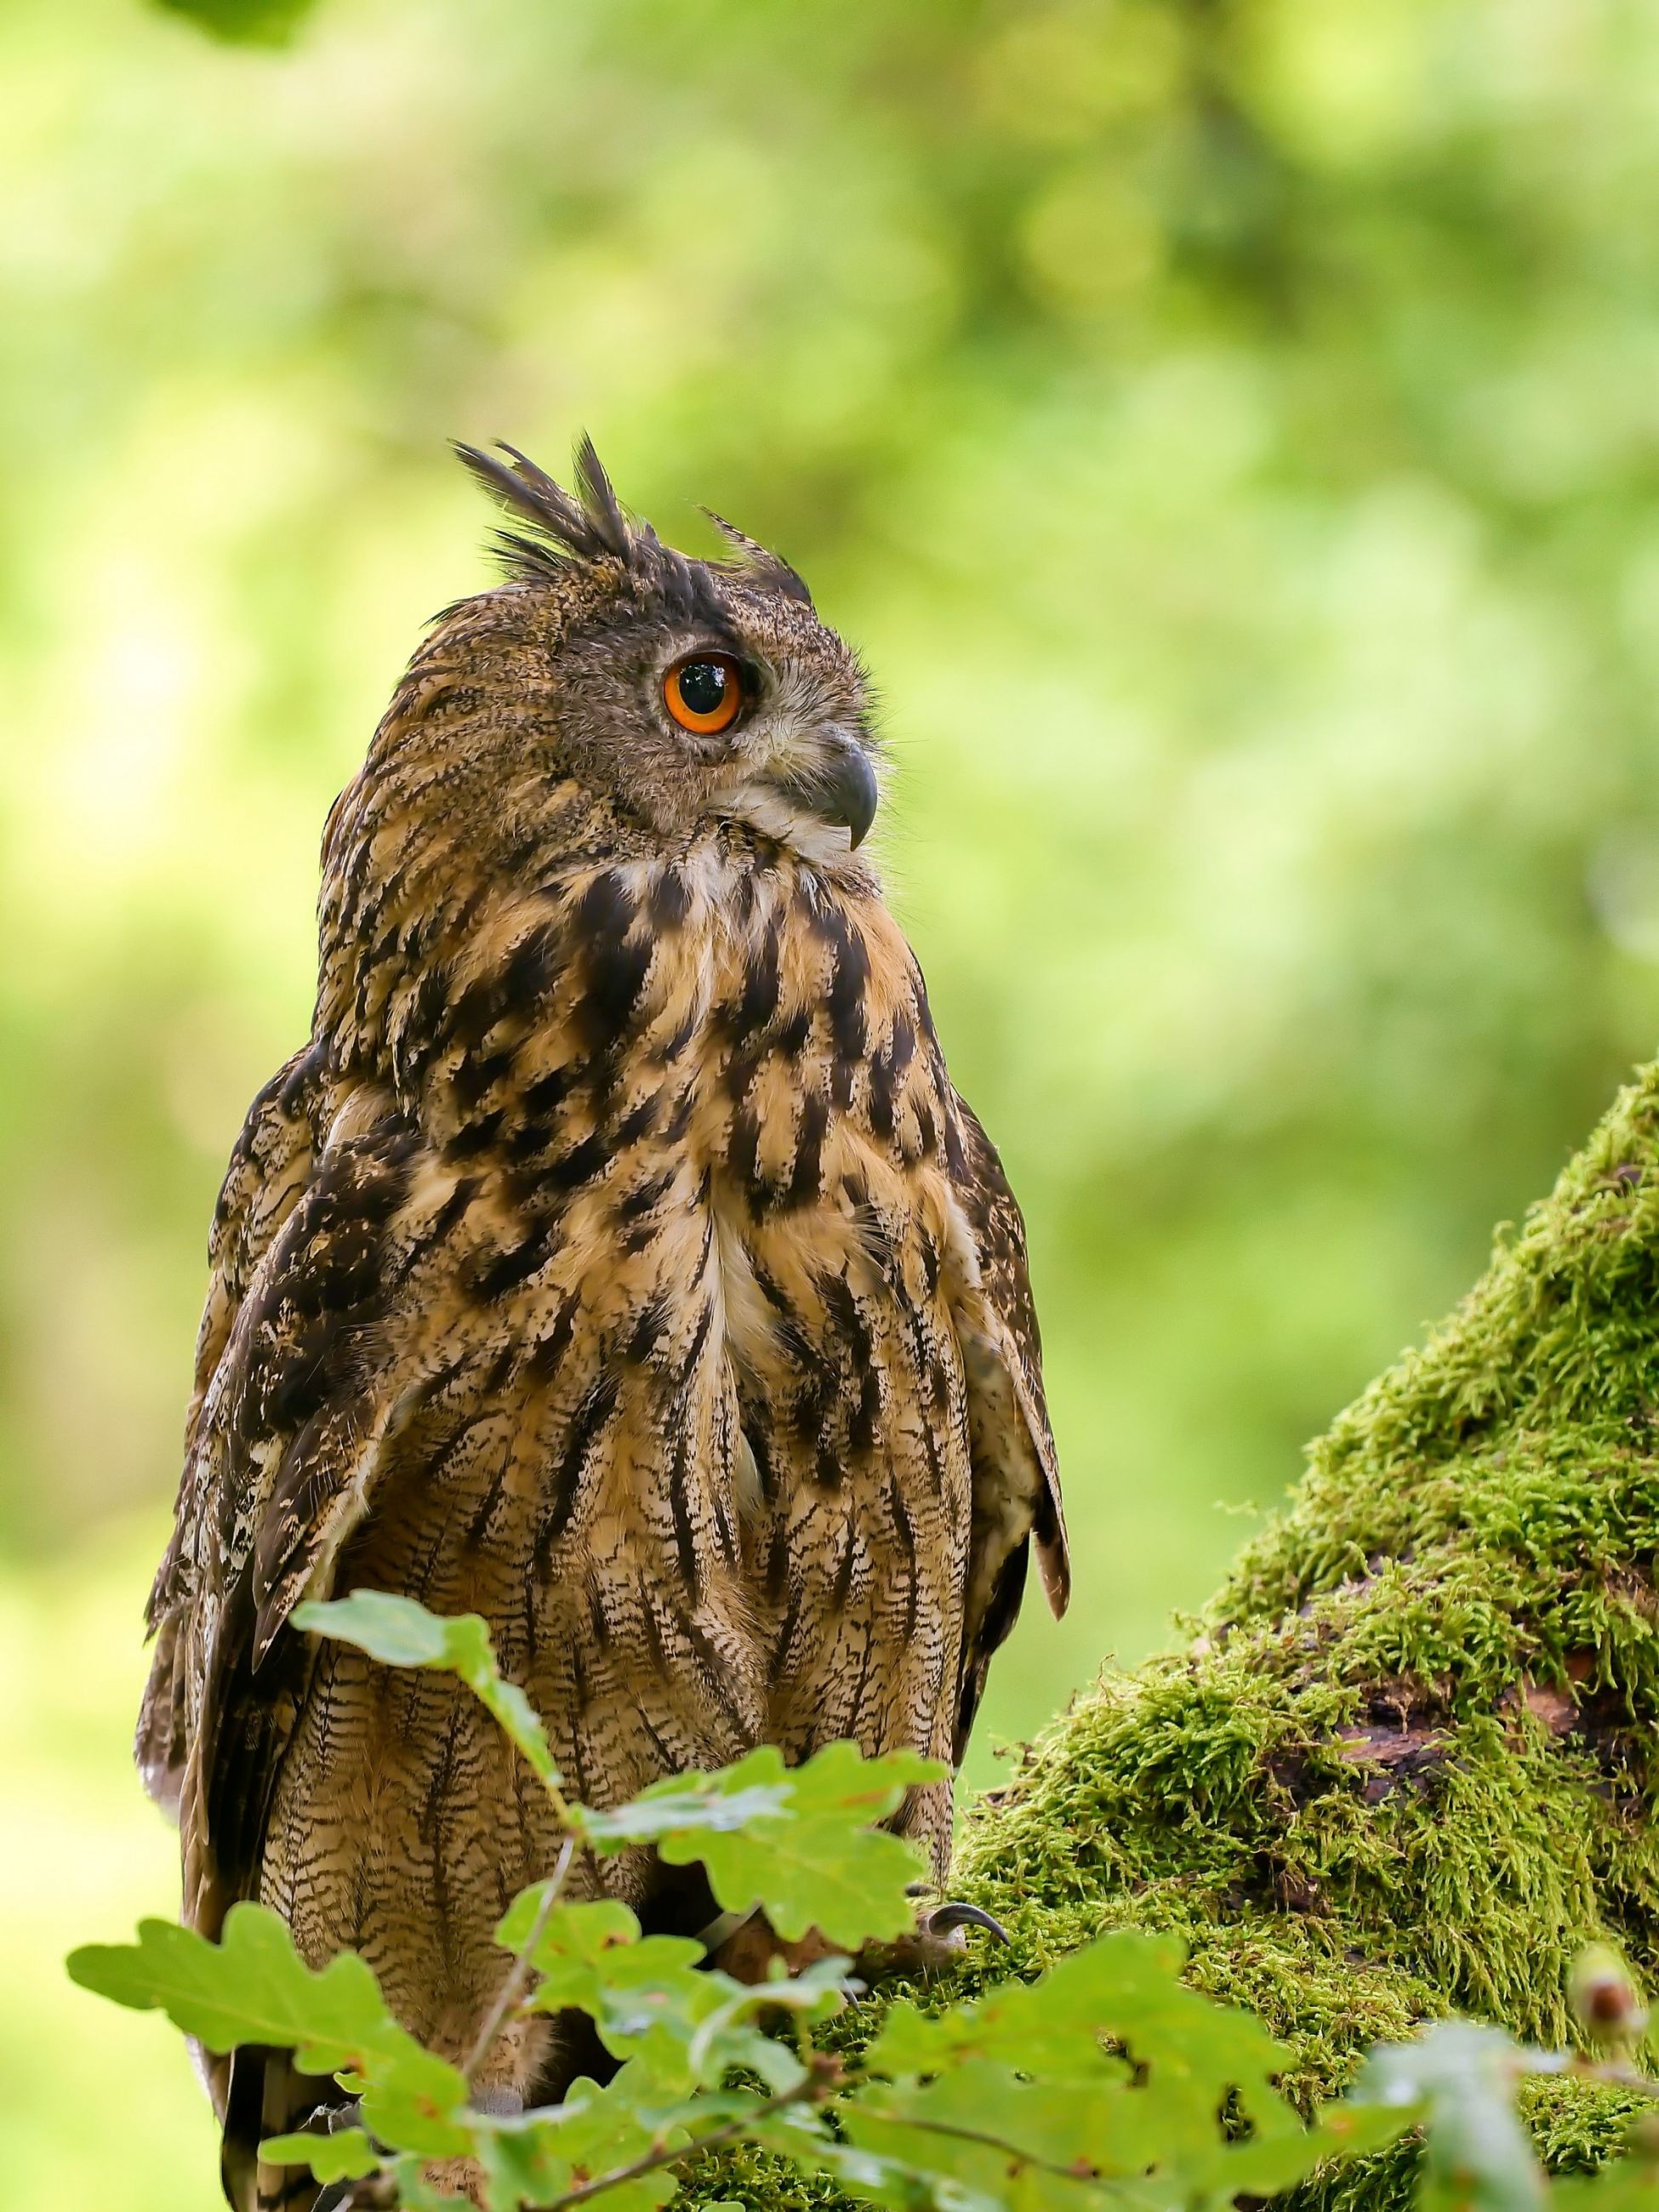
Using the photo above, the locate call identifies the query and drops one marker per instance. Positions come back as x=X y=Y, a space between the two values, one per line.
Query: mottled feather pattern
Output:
x=617 y=1261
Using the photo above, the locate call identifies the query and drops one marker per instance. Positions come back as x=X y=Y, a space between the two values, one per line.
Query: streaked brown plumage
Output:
x=615 y=1261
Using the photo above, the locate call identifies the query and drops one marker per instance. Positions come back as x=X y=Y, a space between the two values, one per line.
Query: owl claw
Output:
x=936 y=1941
x=944 y=1919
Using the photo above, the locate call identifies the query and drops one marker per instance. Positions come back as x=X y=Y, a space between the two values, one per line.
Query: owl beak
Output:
x=845 y=791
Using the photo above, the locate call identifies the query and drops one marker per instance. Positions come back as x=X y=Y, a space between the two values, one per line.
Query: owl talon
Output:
x=944 y=1919
x=936 y=1943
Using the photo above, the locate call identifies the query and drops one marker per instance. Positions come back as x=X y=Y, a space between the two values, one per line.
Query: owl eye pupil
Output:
x=704 y=693
x=703 y=686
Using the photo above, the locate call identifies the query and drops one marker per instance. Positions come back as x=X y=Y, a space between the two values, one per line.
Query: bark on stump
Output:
x=1406 y=1765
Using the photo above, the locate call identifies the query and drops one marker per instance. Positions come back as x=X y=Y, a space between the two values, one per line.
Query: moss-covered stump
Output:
x=1407 y=1766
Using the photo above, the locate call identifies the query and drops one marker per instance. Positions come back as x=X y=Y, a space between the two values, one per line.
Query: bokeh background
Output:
x=1231 y=427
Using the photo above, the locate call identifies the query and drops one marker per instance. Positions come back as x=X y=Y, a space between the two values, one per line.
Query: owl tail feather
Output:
x=267 y=2095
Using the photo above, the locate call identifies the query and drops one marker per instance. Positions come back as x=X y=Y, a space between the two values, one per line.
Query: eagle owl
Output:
x=617 y=1261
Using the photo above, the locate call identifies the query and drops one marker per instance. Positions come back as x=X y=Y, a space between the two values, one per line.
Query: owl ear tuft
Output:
x=600 y=505
x=757 y=563
x=593 y=526
x=590 y=528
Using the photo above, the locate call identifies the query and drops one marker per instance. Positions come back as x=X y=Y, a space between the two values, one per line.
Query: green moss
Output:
x=1406 y=1765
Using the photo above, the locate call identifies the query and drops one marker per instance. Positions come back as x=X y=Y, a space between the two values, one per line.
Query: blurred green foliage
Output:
x=254 y=23
x=1231 y=429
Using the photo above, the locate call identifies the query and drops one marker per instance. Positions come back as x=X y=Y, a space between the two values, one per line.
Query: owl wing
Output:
x=269 y=1169
x=322 y=1337
x=1016 y=1475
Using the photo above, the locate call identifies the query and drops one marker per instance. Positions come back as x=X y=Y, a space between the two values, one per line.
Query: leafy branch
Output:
x=516 y=1983
x=1104 y=2083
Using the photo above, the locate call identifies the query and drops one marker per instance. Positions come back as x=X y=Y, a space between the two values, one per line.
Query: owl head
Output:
x=680 y=693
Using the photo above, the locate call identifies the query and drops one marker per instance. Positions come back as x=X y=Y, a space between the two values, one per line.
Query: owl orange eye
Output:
x=704 y=692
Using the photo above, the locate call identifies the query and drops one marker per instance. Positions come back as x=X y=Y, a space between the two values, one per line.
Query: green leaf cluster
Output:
x=1105 y=2082
x=1108 y=2071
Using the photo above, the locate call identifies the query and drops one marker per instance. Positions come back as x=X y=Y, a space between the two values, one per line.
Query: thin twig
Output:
x=518 y=1974
x=973 y=2135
